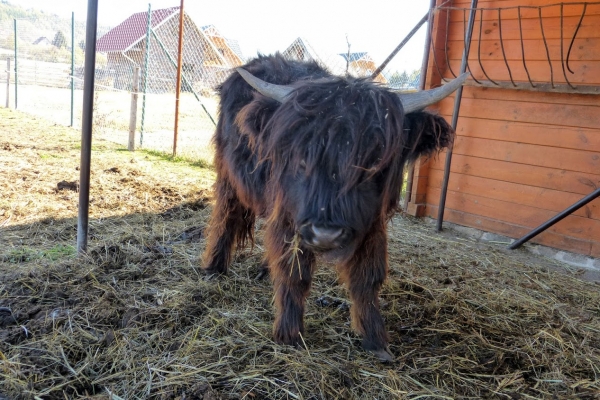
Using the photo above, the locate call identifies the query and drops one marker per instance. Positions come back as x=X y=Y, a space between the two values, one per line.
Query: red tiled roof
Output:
x=130 y=31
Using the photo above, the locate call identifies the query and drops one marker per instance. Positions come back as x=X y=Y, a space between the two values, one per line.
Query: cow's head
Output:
x=337 y=148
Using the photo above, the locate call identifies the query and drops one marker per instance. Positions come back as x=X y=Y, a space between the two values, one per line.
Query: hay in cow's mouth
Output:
x=136 y=319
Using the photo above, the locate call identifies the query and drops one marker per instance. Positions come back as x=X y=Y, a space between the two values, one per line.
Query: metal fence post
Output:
x=178 y=81
x=72 y=65
x=16 y=71
x=87 y=119
x=146 y=58
x=7 y=82
x=133 y=111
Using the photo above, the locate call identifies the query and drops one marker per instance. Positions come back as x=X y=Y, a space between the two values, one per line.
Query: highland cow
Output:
x=321 y=158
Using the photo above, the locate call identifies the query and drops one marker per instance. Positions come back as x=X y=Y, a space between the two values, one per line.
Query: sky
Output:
x=266 y=26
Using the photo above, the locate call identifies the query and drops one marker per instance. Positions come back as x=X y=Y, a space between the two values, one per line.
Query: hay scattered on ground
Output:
x=135 y=318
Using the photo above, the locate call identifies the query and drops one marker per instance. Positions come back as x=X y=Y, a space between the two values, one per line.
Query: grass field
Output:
x=135 y=318
x=112 y=111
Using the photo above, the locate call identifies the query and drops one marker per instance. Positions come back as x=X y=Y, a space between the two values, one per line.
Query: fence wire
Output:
x=145 y=44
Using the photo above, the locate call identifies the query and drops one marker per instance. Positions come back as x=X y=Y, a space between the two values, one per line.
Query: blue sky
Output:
x=376 y=26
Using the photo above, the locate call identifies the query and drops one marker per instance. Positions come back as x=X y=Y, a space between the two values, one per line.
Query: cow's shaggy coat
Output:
x=324 y=168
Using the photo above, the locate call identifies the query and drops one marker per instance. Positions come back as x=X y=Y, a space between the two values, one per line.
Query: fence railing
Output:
x=45 y=76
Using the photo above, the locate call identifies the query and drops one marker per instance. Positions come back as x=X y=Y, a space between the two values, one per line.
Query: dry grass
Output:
x=135 y=319
x=112 y=114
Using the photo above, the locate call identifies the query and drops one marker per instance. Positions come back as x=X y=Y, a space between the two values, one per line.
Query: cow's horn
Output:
x=418 y=101
x=275 y=92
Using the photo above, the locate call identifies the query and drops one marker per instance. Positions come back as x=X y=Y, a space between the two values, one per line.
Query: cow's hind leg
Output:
x=230 y=224
x=291 y=269
x=364 y=275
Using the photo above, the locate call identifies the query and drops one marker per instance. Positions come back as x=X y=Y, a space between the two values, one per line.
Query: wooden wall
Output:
x=520 y=157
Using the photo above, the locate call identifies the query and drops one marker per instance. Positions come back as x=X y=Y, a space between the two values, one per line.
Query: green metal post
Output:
x=72 y=65
x=16 y=70
x=146 y=57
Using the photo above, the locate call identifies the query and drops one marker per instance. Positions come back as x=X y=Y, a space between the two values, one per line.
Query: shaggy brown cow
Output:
x=321 y=159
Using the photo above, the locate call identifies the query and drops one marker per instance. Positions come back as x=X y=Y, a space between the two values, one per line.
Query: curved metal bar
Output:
x=562 y=58
x=435 y=62
x=574 y=36
x=502 y=46
x=479 y=50
x=547 y=49
x=446 y=43
x=469 y=37
x=523 y=47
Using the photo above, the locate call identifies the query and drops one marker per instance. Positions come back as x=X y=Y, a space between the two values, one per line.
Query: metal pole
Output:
x=595 y=194
x=86 y=125
x=422 y=83
x=146 y=57
x=178 y=83
x=16 y=70
x=133 y=111
x=457 y=100
x=7 y=82
x=400 y=46
x=183 y=78
x=72 y=65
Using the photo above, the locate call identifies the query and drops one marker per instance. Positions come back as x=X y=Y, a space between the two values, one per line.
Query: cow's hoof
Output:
x=384 y=355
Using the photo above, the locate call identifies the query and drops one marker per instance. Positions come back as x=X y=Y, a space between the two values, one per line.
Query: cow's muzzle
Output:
x=324 y=238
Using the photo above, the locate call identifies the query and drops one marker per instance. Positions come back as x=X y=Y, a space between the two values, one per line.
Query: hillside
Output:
x=33 y=24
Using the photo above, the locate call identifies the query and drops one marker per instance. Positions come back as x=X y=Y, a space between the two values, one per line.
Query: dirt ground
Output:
x=134 y=318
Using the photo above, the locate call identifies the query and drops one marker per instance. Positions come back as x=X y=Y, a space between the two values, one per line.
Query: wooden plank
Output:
x=551 y=157
x=529 y=26
x=595 y=250
x=528 y=9
x=512 y=3
x=578 y=116
x=531 y=217
x=587 y=49
x=529 y=29
x=546 y=199
x=515 y=231
x=532 y=97
x=541 y=177
x=517 y=132
x=585 y=72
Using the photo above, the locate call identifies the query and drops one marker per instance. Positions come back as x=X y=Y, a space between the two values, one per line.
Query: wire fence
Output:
x=43 y=75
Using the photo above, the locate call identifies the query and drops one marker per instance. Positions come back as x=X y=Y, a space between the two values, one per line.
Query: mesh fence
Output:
x=359 y=64
x=140 y=55
x=41 y=63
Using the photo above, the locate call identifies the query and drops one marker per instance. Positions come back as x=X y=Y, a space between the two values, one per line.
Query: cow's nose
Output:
x=326 y=237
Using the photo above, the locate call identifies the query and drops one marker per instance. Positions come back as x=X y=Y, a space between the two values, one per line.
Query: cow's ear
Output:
x=425 y=134
x=253 y=118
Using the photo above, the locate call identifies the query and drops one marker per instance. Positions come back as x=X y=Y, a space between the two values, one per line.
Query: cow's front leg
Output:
x=291 y=270
x=364 y=275
x=230 y=224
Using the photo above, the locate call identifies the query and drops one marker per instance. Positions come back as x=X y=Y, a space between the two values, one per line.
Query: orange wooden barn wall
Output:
x=520 y=157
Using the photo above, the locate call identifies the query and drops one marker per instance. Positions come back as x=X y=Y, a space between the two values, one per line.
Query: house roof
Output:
x=123 y=36
x=301 y=50
x=42 y=40
x=211 y=30
x=353 y=56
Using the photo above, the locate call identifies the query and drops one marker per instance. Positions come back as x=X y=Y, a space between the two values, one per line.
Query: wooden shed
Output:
x=359 y=64
x=207 y=56
x=528 y=130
